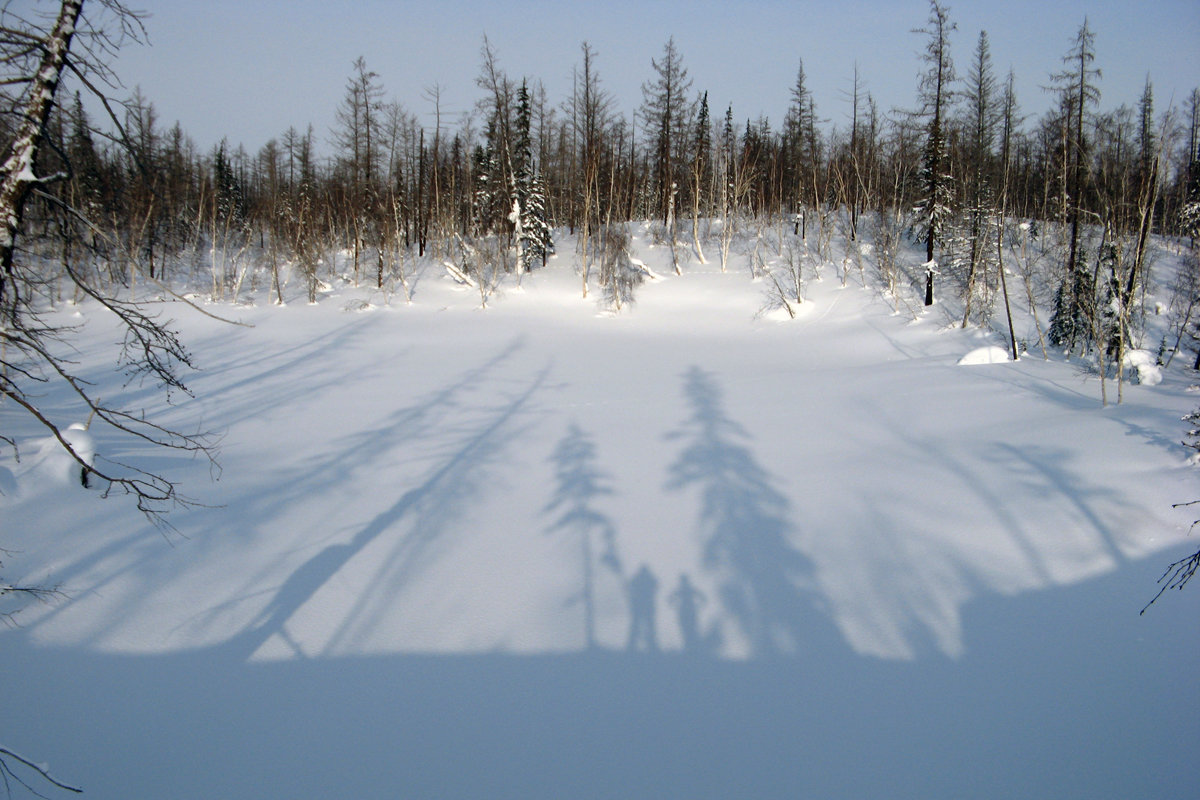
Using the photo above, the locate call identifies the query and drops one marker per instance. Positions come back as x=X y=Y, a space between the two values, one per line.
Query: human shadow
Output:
x=643 y=607
x=766 y=584
x=579 y=482
x=686 y=600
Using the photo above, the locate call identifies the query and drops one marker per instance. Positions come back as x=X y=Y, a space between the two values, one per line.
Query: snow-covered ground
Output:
x=919 y=565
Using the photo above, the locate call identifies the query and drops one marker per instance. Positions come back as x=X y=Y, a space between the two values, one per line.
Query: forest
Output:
x=964 y=173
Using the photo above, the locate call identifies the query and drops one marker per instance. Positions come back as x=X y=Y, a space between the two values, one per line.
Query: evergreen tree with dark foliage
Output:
x=1074 y=302
x=1077 y=91
x=666 y=112
x=934 y=210
x=489 y=205
x=529 y=190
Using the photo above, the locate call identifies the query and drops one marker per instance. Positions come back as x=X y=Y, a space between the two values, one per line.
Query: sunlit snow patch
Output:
x=986 y=355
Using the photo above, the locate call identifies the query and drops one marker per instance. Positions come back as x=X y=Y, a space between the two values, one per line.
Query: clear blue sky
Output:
x=248 y=69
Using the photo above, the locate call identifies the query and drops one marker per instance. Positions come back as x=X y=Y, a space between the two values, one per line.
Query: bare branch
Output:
x=7 y=772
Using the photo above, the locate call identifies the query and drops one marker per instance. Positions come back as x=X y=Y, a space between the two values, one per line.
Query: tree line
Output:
x=493 y=186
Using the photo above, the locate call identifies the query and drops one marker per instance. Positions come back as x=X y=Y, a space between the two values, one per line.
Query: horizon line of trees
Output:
x=141 y=200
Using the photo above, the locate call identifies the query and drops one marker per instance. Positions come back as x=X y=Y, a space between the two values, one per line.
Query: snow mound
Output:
x=49 y=463
x=640 y=267
x=986 y=355
x=1149 y=373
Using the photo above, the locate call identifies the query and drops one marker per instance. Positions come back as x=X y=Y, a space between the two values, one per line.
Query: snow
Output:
x=986 y=355
x=919 y=581
x=1144 y=363
x=45 y=461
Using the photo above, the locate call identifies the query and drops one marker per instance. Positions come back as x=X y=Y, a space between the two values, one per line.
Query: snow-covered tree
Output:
x=537 y=231
x=620 y=274
x=978 y=219
x=531 y=227
x=490 y=201
x=1189 y=214
x=935 y=207
x=1074 y=307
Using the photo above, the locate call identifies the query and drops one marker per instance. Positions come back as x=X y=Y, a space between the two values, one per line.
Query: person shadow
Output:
x=686 y=599
x=643 y=602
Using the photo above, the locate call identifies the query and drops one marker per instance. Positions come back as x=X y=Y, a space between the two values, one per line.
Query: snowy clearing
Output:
x=412 y=577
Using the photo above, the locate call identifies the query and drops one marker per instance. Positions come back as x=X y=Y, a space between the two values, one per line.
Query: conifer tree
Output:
x=666 y=112
x=983 y=118
x=800 y=144
x=701 y=182
x=1077 y=91
x=538 y=232
x=1189 y=212
x=934 y=209
x=528 y=190
x=490 y=198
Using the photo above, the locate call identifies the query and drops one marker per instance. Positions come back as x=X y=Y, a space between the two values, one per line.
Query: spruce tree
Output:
x=982 y=120
x=666 y=112
x=1077 y=91
x=535 y=241
x=934 y=210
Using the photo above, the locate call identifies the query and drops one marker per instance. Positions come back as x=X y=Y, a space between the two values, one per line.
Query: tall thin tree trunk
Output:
x=17 y=169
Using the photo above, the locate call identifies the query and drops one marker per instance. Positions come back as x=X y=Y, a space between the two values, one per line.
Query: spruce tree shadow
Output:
x=766 y=584
x=579 y=483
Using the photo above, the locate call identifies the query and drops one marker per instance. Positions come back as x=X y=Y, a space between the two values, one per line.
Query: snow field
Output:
x=921 y=565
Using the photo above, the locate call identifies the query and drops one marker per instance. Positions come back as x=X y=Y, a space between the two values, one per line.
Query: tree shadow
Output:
x=1063 y=692
x=767 y=585
x=578 y=484
x=1051 y=467
x=446 y=491
x=464 y=435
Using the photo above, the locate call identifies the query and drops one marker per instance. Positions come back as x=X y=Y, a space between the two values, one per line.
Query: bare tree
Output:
x=1178 y=573
x=17 y=768
x=31 y=360
x=590 y=111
